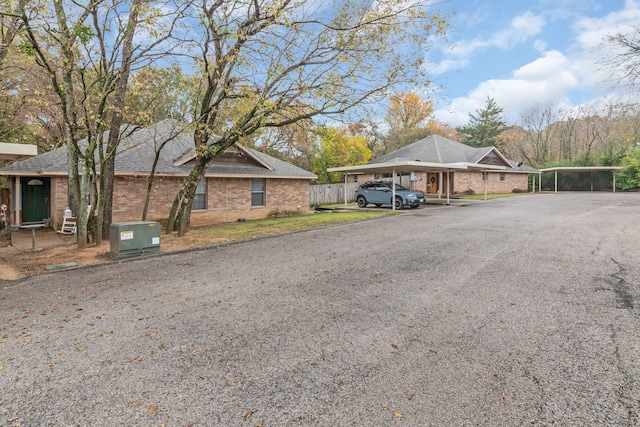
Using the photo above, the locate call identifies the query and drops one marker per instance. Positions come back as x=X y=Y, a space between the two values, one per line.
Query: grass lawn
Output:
x=265 y=227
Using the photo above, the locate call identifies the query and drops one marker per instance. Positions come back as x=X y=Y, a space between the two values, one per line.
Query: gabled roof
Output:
x=438 y=149
x=137 y=149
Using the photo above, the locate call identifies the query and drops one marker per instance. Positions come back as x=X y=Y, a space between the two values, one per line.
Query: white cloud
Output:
x=539 y=45
x=520 y=29
x=447 y=65
x=564 y=79
x=590 y=31
x=548 y=79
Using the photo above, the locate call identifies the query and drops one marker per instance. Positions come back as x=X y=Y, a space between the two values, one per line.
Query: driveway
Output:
x=519 y=311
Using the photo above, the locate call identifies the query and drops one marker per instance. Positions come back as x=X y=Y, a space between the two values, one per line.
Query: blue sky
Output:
x=525 y=54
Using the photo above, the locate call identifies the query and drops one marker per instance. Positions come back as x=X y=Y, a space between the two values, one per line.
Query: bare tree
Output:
x=538 y=135
x=159 y=142
x=621 y=55
x=88 y=53
x=270 y=57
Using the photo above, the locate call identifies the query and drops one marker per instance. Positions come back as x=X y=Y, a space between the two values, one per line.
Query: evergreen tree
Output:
x=485 y=126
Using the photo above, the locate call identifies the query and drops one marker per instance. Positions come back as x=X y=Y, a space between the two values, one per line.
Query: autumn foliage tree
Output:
x=337 y=148
x=269 y=58
x=87 y=52
x=407 y=118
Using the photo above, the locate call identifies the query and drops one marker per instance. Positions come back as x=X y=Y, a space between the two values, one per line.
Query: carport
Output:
x=406 y=166
x=581 y=169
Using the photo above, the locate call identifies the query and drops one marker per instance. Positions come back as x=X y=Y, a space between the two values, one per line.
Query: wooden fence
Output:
x=331 y=194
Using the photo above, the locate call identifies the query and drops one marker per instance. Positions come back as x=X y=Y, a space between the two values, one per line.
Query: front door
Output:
x=35 y=199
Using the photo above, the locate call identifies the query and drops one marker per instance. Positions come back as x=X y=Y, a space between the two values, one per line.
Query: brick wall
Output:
x=463 y=181
x=227 y=199
x=59 y=200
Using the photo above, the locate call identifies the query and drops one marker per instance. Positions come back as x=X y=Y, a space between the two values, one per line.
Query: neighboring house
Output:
x=239 y=183
x=440 y=165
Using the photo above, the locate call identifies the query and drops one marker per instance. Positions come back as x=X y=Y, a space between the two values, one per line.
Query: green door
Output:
x=35 y=199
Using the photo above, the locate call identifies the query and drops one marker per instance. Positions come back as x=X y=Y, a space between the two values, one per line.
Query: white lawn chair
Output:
x=68 y=226
x=68 y=223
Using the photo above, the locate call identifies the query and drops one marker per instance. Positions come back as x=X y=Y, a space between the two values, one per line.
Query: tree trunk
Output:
x=105 y=211
x=180 y=215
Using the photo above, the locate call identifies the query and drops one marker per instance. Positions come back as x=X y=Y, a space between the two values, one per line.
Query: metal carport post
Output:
x=591 y=169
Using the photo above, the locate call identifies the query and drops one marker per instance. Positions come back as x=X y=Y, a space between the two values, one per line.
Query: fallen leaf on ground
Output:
x=152 y=409
x=399 y=415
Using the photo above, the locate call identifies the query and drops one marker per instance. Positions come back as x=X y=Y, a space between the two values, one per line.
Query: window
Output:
x=485 y=176
x=200 y=198
x=501 y=176
x=258 y=186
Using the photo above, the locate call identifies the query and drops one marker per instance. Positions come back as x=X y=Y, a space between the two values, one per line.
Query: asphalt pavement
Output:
x=510 y=312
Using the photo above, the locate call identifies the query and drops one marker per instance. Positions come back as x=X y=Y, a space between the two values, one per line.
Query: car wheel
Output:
x=398 y=203
x=362 y=202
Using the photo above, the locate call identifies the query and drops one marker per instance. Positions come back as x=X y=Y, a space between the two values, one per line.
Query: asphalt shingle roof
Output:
x=438 y=149
x=137 y=149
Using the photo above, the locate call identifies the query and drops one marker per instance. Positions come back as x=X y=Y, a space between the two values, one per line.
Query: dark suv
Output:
x=380 y=192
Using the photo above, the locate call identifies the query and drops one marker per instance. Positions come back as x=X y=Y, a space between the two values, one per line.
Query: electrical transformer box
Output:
x=134 y=238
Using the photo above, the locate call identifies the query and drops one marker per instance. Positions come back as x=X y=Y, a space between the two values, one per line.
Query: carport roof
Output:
x=437 y=154
x=403 y=166
x=582 y=169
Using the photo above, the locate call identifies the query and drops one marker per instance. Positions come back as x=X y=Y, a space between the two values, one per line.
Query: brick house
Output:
x=239 y=183
x=438 y=165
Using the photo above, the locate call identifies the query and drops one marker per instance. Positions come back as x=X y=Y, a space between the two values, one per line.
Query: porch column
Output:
x=540 y=182
x=448 y=184
x=393 y=190
x=614 y=180
x=533 y=181
x=485 y=177
x=591 y=180
x=17 y=202
x=345 y=189
x=556 y=174
x=439 y=185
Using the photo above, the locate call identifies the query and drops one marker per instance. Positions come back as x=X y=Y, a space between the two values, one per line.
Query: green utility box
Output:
x=134 y=238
